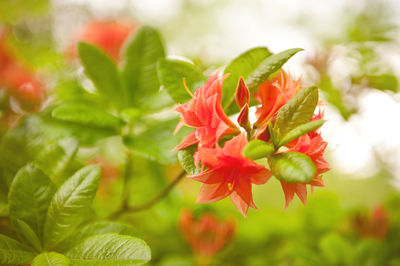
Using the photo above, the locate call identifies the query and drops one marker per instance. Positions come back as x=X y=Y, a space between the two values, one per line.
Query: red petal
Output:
x=240 y=204
x=235 y=146
x=209 y=176
x=189 y=140
x=212 y=192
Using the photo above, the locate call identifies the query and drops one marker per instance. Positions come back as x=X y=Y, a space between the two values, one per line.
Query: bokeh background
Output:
x=351 y=51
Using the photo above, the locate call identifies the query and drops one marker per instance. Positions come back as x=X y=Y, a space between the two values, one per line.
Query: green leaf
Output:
x=270 y=65
x=171 y=74
x=102 y=71
x=336 y=249
x=384 y=82
x=29 y=197
x=300 y=131
x=69 y=204
x=157 y=142
x=257 y=149
x=110 y=249
x=292 y=167
x=297 y=110
x=185 y=158
x=27 y=235
x=139 y=72
x=56 y=158
x=87 y=115
x=12 y=252
x=242 y=66
x=51 y=259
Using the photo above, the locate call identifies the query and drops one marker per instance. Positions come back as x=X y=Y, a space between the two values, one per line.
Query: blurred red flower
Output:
x=375 y=225
x=206 y=235
x=229 y=173
x=107 y=35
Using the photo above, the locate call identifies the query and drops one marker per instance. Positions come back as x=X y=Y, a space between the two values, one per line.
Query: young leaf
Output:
x=51 y=259
x=139 y=72
x=300 y=131
x=171 y=74
x=384 y=82
x=110 y=249
x=87 y=115
x=69 y=204
x=292 y=167
x=27 y=235
x=297 y=110
x=241 y=66
x=14 y=253
x=257 y=149
x=56 y=158
x=268 y=66
x=185 y=158
x=102 y=71
x=29 y=197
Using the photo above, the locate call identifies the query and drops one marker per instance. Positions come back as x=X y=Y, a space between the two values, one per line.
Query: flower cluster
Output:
x=226 y=171
x=375 y=225
x=206 y=235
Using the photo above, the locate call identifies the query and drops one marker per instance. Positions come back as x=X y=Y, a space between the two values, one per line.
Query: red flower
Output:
x=206 y=235
x=107 y=35
x=229 y=173
x=376 y=225
x=204 y=113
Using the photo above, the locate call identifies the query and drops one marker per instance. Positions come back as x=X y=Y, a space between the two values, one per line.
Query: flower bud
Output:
x=243 y=118
x=242 y=94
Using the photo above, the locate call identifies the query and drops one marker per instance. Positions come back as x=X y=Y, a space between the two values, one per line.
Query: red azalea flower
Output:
x=206 y=235
x=204 y=113
x=313 y=146
x=107 y=35
x=376 y=225
x=273 y=94
x=229 y=173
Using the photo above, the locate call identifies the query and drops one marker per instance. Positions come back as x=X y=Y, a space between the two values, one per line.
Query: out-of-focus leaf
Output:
x=11 y=11
x=27 y=235
x=384 y=82
x=268 y=66
x=185 y=158
x=56 y=158
x=12 y=252
x=102 y=71
x=257 y=149
x=87 y=115
x=110 y=249
x=292 y=167
x=300 y=131
x=51 y=259
x=371 y=252
x=297 y=110
x=171 y=74
x=29 y=197
x=242 y=66
x=336 y=249
x=139 y=72
x=69 y=204
x=95 y=228
x=157 y=142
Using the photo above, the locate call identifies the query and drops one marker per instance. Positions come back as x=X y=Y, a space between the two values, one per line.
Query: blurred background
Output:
x=351 y=52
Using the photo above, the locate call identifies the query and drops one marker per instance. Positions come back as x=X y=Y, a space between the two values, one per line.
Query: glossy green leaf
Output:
x=242 y=66
x=51 y=259
x=171 y=74
x=300 y=131
x=268 y=66
x=85 y=114
x=139 y=70
x=185 y=158
x=12 y=252
x=55 y=159
x=110 y=249
x=102 y=71
x=27 y=235
x=384 y=82
x=297 y=110
x=292 y=167
x=29 y=197
x=257 y=149
x=70 y=203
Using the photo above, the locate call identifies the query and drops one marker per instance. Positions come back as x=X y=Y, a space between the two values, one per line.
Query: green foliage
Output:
x=51 y=259
x=300 y=131
x=336 y=249
x=292 y=167
x=102 y=71
x=185 y=158
x=171 y=74
x=100 y=249
x=12 y=11
x=12 y=252
x=384 y=82
x=257 y=149
x=27 y=235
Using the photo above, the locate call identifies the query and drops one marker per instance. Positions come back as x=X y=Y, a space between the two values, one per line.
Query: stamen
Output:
x=186 y=87
x=230 y=186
